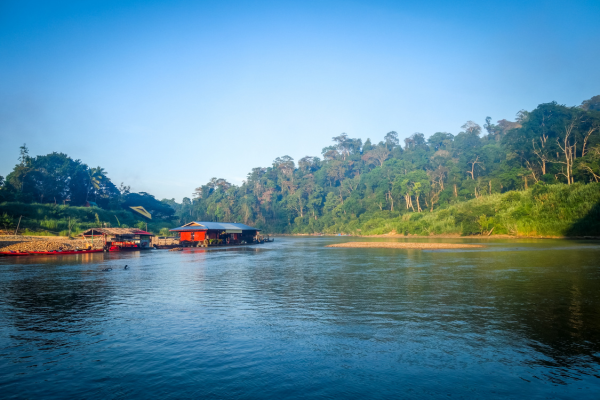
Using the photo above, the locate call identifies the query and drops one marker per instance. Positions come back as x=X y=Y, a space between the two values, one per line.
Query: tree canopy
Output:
x=357 y=181
x=353 y=182
x=57 y=178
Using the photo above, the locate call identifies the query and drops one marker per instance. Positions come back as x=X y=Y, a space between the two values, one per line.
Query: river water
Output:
x=294 y=319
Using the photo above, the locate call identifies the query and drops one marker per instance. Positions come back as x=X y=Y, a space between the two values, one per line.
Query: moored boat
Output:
x=47 y=253
x=64 y=252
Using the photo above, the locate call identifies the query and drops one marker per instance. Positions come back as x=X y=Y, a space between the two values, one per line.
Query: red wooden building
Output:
x=203 y=233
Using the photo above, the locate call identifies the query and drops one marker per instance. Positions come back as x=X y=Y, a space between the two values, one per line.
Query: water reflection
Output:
x=296 y=319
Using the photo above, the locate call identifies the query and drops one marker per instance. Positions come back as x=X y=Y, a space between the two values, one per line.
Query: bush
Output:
x=548 y=210
x=55 y=218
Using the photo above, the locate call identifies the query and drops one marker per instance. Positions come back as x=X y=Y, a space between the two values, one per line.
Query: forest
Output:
x=537 y=175
x=56 y=195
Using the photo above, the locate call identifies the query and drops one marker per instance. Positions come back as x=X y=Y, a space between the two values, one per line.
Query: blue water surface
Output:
x=294 y=319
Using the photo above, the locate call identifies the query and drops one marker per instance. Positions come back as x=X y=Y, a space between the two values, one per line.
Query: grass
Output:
x=55 y=220
x=543 y=210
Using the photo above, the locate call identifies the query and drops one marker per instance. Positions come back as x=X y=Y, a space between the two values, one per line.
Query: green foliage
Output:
x=565 y=210
x=537 y=175
x=6 y=221
x=505 y=176
x=156 y=208
x=59 y=180
x=485 y=222
x=50 y=219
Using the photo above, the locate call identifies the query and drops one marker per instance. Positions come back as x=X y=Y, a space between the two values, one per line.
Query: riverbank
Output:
x=45 y=243
x=547 y=211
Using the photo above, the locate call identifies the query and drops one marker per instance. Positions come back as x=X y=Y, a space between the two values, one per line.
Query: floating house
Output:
x=120 y=239
x=205 y=233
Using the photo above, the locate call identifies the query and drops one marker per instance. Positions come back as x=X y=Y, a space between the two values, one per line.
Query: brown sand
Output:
x=403 y=245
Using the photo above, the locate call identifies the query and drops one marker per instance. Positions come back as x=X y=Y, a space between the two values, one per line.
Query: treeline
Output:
x=356 y=186
x=54 y=194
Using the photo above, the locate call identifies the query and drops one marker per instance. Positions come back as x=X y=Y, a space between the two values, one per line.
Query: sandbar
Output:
x=403 y=245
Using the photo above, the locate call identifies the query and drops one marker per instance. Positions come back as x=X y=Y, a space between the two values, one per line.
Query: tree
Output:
x=379 y=155
x=441 y=140
x=24 y=154
x=472 y=128
x=308 y=163
x=592 y=104
x=355 y=185
x=391 y=140
x=97 y=179
x=346 y=146
x=413 y=184
x=21 y=172
x=568 y=145
x=488 y=126
x=592 y=165
x=57 y=178
x=473 y=164
x=416 y=140
x=284 y=164
x=437 y=178
x=342 y=144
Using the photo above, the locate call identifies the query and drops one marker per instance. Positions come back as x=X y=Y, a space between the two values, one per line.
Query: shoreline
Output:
x=49 y=243
x=441 y=236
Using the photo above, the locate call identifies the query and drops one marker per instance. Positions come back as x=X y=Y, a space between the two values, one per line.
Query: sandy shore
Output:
x=400 y=245
x=440 y=236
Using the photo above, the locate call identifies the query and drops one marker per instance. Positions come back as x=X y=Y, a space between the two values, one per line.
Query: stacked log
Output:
x=26 y=245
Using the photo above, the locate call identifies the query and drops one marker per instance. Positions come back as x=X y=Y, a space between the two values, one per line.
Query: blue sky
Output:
x=167 y=94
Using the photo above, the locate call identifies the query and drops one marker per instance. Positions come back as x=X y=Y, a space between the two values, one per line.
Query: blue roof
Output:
x=220 y=226
x=188 y=228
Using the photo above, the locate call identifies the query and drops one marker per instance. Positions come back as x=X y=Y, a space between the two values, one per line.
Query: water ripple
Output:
x=294 y=319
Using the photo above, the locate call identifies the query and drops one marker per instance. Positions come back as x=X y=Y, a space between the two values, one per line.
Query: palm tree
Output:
x=97 y=176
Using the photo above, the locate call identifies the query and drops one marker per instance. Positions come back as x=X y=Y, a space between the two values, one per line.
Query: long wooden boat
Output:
x=47 y=253
x=128 y=248
x=62 y=253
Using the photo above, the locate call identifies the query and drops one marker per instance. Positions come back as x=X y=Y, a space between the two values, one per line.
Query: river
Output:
x=294 y=319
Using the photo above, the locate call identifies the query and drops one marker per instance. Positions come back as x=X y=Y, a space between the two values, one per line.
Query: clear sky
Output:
x=167 y=94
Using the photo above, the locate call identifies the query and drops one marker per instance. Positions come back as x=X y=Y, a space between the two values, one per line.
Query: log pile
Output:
x=26 y=245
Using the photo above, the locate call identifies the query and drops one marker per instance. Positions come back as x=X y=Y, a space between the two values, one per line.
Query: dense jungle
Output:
x=537 y=175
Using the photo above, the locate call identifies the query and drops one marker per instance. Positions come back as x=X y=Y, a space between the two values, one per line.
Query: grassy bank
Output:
x=59 y=220
x=543 y=210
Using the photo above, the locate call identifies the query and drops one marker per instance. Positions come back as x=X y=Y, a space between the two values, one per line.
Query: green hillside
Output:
x=537 y=175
